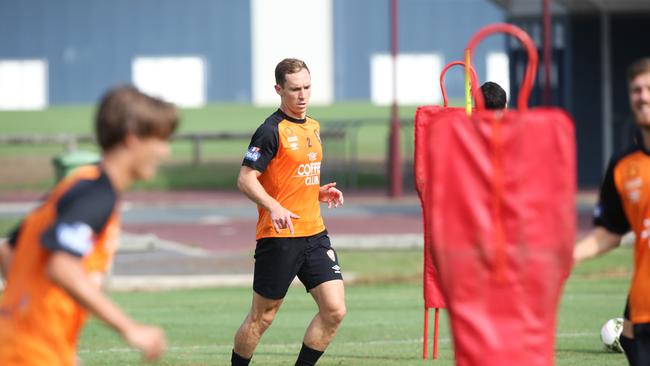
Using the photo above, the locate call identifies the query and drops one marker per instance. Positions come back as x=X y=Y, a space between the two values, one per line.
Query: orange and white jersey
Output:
x=39 y=322
x=624 y=204
x=288 y=153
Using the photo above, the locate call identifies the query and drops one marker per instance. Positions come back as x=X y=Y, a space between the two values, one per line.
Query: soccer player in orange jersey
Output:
x=281 y=174
x=55 y=259
x=624 y=205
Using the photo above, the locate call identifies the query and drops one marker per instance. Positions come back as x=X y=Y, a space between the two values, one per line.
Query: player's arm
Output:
x=249 y=185
x=82 y=214
x=66 y=271
x=610 y=221
x=5 y=258
x=599 y=241
x=7 y=251
x=261 y=150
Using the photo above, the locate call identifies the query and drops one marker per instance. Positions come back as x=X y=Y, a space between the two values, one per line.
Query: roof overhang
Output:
x=530 y=7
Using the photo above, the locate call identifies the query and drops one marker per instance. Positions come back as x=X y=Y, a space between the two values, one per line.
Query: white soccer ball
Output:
x=610 y=335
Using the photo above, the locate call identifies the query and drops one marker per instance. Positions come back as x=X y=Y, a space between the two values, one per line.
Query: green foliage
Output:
x=363 y=152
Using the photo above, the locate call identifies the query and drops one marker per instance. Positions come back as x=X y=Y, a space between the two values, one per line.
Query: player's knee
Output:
x=264 y=320
x=335 y=316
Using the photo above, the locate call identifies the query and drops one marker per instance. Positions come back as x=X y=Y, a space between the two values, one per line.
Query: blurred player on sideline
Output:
x=494 y=95
x=624 y=205
x=55 y=260
x=281 y=174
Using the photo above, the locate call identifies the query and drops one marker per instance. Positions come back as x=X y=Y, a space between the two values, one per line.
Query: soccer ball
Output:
x=610 y=335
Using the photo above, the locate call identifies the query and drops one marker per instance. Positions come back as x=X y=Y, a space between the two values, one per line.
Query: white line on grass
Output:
x=228 y=346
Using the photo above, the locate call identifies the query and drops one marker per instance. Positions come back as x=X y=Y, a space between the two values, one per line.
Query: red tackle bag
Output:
x=433 y=297
x=500 y=202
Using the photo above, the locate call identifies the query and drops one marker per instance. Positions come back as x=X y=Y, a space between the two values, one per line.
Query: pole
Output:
x=395 y=166
x=606 y=88
x=435 y=335
x=425 y=338
x=547 y=50
x=468 y=86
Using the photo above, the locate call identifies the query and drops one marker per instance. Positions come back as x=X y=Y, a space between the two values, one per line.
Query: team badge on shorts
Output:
x=330 y=253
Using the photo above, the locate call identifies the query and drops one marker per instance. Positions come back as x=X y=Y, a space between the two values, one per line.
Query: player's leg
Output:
x=642 y=344
x=321 y=275
x=258 y=320
x=330 y=298
x=276 y=262
x=627 y=338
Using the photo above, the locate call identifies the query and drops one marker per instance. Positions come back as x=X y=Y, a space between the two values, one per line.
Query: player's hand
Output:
x=330 y=195
x=281 y=219
x=148 y=339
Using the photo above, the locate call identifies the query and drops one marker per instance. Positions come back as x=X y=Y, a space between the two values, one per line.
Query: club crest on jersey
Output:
x=317 y=136
x=634 y=186
x=252 y=154
x=632 y=171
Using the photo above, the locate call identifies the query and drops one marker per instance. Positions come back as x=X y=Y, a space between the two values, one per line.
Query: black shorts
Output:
x=279 y=260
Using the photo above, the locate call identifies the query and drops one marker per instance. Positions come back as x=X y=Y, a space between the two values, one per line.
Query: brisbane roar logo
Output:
x=632 y=171
x=317 y=136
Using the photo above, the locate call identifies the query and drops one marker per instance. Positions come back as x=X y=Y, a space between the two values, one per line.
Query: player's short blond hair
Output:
x=639 y=67
x=288 y=66
x=124 y=110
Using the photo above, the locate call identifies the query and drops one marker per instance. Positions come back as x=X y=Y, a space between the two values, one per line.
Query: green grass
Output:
x=220 y=158
x=213 y=117
x=7 y=225
x=383 y=326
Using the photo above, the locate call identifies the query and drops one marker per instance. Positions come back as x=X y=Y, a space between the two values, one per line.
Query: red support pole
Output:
x=435 y=335
x=546 y=14
x=425 y=338
x=395 y=164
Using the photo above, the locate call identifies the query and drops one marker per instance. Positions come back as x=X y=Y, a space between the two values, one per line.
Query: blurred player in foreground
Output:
x=55 y=260
x=624 y=205
x=281 y=174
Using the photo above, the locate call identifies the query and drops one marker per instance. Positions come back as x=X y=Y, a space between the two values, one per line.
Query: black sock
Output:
x=308 y=356
x=629 y=348
x=237 y=360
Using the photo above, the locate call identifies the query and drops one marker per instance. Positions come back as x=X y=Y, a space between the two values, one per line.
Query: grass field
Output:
x=222 y=158
x=383 y=325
